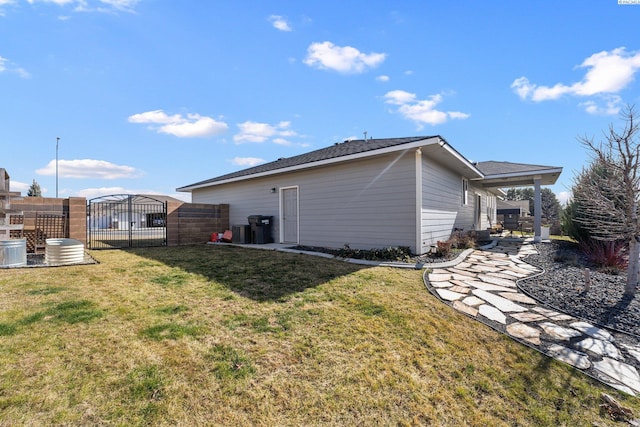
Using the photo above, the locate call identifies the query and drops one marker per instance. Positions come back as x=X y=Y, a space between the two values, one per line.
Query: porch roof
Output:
x=507 y=174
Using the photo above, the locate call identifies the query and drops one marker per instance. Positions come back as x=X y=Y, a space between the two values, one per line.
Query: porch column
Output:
x=537 y=209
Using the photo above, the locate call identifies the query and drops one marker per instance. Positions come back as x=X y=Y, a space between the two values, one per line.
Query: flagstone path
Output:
x=483 y=286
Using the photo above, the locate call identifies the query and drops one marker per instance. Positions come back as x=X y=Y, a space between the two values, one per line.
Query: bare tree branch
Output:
x=608 y=192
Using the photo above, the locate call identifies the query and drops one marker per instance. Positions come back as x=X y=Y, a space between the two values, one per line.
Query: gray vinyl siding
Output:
x=244 y=200
x=367 y=203
x=442 y=204
x=488 y=208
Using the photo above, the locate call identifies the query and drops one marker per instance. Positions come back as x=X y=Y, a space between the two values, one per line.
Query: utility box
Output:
x=241 y=234
x=261 y=229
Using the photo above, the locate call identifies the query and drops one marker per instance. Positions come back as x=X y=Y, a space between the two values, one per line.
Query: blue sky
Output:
x=150 y=95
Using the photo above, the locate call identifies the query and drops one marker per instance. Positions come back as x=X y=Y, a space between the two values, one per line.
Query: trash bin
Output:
x=241 y=234
x=260 y=229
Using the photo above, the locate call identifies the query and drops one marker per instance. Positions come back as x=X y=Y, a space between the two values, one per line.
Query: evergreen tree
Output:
x=550 y=209
x=550 y=204
x=34 y=190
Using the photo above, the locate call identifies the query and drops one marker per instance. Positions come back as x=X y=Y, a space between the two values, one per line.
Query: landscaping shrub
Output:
x=566 y=257
x=571 y=222
x=606 y=254
x=393 y=253
x=443 y=249
x=461 y=240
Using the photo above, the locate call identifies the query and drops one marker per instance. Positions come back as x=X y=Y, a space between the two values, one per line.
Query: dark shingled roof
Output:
x=358 y=146
x=337 y=150
x=500 y=168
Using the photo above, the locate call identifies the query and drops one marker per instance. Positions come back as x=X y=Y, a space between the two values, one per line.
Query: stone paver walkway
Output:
x=483 y=286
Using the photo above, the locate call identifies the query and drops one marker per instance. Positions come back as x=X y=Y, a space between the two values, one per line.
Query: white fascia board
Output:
x=523 y=173
x=416 y=144
x=444 y=144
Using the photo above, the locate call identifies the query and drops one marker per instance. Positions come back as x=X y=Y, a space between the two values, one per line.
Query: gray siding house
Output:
x=370 y=193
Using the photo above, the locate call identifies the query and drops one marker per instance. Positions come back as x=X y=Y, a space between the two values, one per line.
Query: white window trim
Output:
x=465 y=191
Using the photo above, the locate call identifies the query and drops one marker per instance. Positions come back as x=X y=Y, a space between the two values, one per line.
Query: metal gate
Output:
x=126 y=221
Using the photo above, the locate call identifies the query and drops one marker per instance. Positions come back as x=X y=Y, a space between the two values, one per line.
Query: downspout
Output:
x=418 y=229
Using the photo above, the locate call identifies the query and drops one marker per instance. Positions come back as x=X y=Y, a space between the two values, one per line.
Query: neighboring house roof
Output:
x=521 y=207
x=348 y=150
x=161 y=198
x=490 y=174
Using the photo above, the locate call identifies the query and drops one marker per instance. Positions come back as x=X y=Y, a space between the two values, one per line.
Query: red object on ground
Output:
x=214 y=237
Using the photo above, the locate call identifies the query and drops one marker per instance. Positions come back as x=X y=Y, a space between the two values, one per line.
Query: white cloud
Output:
x=279 y=23
x=156 y=116
x=383 y=78
x=563 y=197
x=608 y=105
x=347 y=59
x=92 y=193
x=422 y=111
x=5 y=3
x=607 y=73
x=282 y=141
x=191 y=126
x=18 y=186
x=88 y=169
x=247 y=161
x=93 y=5
x=399 y=97
x=7 y=66
x=58 y=2
x=125 y=5
x=261 y=132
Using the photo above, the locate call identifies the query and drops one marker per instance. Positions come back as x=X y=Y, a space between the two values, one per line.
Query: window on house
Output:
x=465 y=191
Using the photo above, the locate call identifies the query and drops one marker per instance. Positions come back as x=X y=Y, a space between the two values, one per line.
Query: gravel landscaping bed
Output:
x=562 y=286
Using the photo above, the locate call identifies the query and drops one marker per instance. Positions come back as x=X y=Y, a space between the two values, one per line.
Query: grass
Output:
x=208 y=335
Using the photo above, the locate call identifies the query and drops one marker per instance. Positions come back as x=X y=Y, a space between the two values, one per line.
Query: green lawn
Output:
x=217 y=335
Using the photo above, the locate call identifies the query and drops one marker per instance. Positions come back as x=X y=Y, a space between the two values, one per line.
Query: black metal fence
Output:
x=126 y=221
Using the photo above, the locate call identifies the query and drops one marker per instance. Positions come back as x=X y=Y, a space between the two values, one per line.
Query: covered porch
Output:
x=501 y=175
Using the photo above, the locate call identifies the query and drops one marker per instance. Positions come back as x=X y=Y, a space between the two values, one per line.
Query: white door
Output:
x=289 y=208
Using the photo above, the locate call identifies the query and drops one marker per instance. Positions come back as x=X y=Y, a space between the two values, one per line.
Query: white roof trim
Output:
x=444 y=144
x=523 y=173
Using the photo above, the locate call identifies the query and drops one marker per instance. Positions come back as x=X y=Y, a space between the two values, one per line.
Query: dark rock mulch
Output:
x=384 y=255
x=562 y=286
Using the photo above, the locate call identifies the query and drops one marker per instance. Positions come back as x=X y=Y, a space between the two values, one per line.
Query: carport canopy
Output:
x=508 y=175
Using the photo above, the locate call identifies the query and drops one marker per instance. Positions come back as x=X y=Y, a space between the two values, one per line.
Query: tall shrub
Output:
x=571 y=222
x=607 y=193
